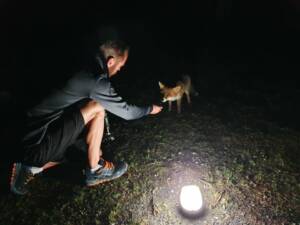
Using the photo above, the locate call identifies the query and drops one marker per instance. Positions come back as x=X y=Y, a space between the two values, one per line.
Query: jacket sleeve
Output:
x=105 y=94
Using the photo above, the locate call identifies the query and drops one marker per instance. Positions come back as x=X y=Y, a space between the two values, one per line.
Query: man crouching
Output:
x=56 y=123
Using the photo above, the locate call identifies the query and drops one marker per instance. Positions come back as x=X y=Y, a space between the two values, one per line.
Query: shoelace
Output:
x=107 y=164
x=28 y=178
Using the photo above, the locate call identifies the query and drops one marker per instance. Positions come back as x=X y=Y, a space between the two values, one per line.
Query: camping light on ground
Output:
x=191 y=198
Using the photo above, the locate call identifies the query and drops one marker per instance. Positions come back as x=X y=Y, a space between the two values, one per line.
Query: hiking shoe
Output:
x=20 y=177
x=108 y=171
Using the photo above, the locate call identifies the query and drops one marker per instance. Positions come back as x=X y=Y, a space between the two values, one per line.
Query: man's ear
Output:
x=161 y=86
x=110 y=61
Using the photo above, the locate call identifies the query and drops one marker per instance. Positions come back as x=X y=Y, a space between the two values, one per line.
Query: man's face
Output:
x=116 y=63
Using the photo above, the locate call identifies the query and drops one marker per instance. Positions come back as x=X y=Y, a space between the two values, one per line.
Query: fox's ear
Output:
x=161 y=85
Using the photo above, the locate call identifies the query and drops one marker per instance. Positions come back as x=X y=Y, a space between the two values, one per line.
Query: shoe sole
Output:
x=106 y=180
x=14 y=175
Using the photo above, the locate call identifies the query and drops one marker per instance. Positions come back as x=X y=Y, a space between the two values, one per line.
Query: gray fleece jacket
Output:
x=82 y=86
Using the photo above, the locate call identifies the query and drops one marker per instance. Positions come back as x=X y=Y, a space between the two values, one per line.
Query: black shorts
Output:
x=60 y=134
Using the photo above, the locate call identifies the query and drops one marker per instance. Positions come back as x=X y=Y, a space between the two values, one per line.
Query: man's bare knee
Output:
x=99 y=115
x=91 y=110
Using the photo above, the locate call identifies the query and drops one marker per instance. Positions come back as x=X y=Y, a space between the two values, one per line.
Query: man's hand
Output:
x=156 y=109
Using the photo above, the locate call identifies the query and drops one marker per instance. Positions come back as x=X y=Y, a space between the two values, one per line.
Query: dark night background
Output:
x=224 y=45
x=256 y=40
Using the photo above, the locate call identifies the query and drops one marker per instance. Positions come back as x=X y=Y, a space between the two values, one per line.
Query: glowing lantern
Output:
x=191 y=198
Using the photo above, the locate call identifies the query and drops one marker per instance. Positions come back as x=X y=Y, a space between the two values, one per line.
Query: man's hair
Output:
x=114 y=48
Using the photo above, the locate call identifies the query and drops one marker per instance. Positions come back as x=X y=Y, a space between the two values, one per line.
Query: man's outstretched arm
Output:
x=105 y=94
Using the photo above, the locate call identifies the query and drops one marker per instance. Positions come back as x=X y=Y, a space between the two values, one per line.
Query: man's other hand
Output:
x=156 y=109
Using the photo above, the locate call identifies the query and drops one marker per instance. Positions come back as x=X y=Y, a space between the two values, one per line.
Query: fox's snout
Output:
x=164 y=100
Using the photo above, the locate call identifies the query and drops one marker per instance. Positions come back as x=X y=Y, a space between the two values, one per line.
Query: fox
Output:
x=176 y=93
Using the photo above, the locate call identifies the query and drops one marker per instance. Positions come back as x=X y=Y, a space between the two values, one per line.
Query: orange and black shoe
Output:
x=20 y=177
x=107 y=172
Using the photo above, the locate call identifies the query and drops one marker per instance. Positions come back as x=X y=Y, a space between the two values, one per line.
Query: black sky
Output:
x=39 y=34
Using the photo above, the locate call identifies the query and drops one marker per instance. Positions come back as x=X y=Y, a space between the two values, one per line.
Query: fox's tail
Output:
x=188 y=82
x=186 y=79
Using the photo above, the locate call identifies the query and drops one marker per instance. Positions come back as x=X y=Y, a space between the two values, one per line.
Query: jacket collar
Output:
x=101 y=62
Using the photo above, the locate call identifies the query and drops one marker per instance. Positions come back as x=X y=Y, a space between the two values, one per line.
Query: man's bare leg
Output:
x=94 y=139
x=93 y=114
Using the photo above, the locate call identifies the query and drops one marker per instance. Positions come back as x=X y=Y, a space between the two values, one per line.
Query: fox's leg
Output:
x=170 y=105
x=179 y=105
x=188 y=97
